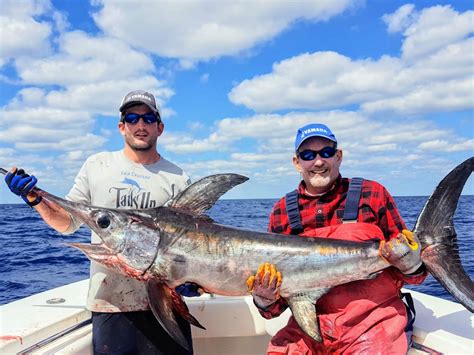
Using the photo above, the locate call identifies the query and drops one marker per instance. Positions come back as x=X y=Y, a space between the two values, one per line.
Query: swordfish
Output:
x=169 y=245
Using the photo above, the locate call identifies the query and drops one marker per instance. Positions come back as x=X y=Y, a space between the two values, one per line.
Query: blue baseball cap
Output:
x=313 y=130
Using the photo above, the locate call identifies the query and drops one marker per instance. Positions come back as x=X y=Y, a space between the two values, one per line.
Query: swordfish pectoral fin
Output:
x=164 y=302
x=180 y=306
x=302 y=306
x=161 y=304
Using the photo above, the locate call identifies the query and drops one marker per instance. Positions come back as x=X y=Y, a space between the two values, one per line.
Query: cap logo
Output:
x=138 y=96
x=311 y=130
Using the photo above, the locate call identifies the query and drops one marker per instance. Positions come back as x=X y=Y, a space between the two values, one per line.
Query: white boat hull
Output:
x=233 y=324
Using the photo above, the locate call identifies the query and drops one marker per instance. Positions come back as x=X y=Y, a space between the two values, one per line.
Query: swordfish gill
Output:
x=167 y=246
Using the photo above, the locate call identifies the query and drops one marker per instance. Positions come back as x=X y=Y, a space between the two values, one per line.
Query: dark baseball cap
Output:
x=137 y=97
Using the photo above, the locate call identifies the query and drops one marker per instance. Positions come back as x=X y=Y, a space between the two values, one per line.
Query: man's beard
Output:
x=319 y=181
x=143 y=147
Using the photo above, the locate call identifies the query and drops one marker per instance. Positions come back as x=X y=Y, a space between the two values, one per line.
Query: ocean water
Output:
x=35 y=258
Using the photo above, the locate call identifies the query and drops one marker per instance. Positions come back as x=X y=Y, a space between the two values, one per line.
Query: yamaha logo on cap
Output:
x=314 y=130
x=139 y=97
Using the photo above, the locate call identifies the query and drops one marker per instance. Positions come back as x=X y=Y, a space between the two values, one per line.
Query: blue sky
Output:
x=235 y=80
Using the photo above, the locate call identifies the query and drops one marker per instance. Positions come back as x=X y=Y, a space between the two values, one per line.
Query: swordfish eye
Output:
x=103 y=220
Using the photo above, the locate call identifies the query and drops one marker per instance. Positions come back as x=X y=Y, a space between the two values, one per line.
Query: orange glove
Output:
x=403 y=252
x=265 y=285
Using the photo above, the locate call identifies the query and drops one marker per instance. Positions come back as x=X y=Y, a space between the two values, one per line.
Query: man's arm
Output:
x=53 y=215
x=265 y=285
x=22 y=184
x=394 y=228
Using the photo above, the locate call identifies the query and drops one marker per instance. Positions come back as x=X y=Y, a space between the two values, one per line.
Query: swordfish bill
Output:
x=167 y=246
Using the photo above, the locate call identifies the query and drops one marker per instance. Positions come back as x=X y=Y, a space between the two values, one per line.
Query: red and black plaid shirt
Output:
x=376 y=206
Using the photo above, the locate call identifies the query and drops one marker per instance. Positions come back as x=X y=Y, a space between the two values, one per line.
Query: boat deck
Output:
x=56 y=322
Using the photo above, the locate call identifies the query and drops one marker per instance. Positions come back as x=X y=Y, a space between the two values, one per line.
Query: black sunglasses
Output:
x=133 y=118
x=326 y=152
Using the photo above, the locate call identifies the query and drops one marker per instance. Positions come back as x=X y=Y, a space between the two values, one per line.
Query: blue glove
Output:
x=189 y=289
x=22 y=184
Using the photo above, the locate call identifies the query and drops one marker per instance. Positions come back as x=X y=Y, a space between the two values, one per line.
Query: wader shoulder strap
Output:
x=293 y=212
x=351 y=210
x=411 y=314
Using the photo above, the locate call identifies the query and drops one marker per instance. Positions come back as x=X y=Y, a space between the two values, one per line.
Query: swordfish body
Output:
x=167 y=246
x=221 y=258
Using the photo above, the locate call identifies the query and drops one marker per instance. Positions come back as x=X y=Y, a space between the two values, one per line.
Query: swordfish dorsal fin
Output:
x=204 y=193
x=303 y=307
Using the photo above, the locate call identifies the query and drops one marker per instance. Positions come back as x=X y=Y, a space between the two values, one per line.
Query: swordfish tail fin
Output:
x=435 y=230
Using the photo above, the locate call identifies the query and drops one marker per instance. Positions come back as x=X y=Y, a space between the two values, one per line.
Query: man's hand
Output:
x=22 y=184
x=265 y=285
x=189 y=289
x=403 y=252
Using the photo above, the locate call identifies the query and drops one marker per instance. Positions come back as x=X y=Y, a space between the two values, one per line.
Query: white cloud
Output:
x=42 y=128
x=61 y=22
x=255 y=157
x=5 y=155
x=203 y=168
x=436 y=28
x=438 y=78
x=230 y=130
x=92 y=141
x=261 y=147
x=317 y=80
x=34 y=137
x=43 y=117
x=76 y=155
x=55 y=173
x=201 y=30
x=89 y=75
x=196 y=126
x=382 y=147
x=274 y=135
x=180 y=143
x=27 y=97
x=400 y=19
x=85 y=59
x=20 y=33
x=105 y=96
x=453 y=95
x=448 y=146
x=25 y=8
x=92 y=72
x=28 y=162
x=66 y=85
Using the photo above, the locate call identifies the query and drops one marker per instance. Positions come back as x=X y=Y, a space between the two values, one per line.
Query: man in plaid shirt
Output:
x=366 y=316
